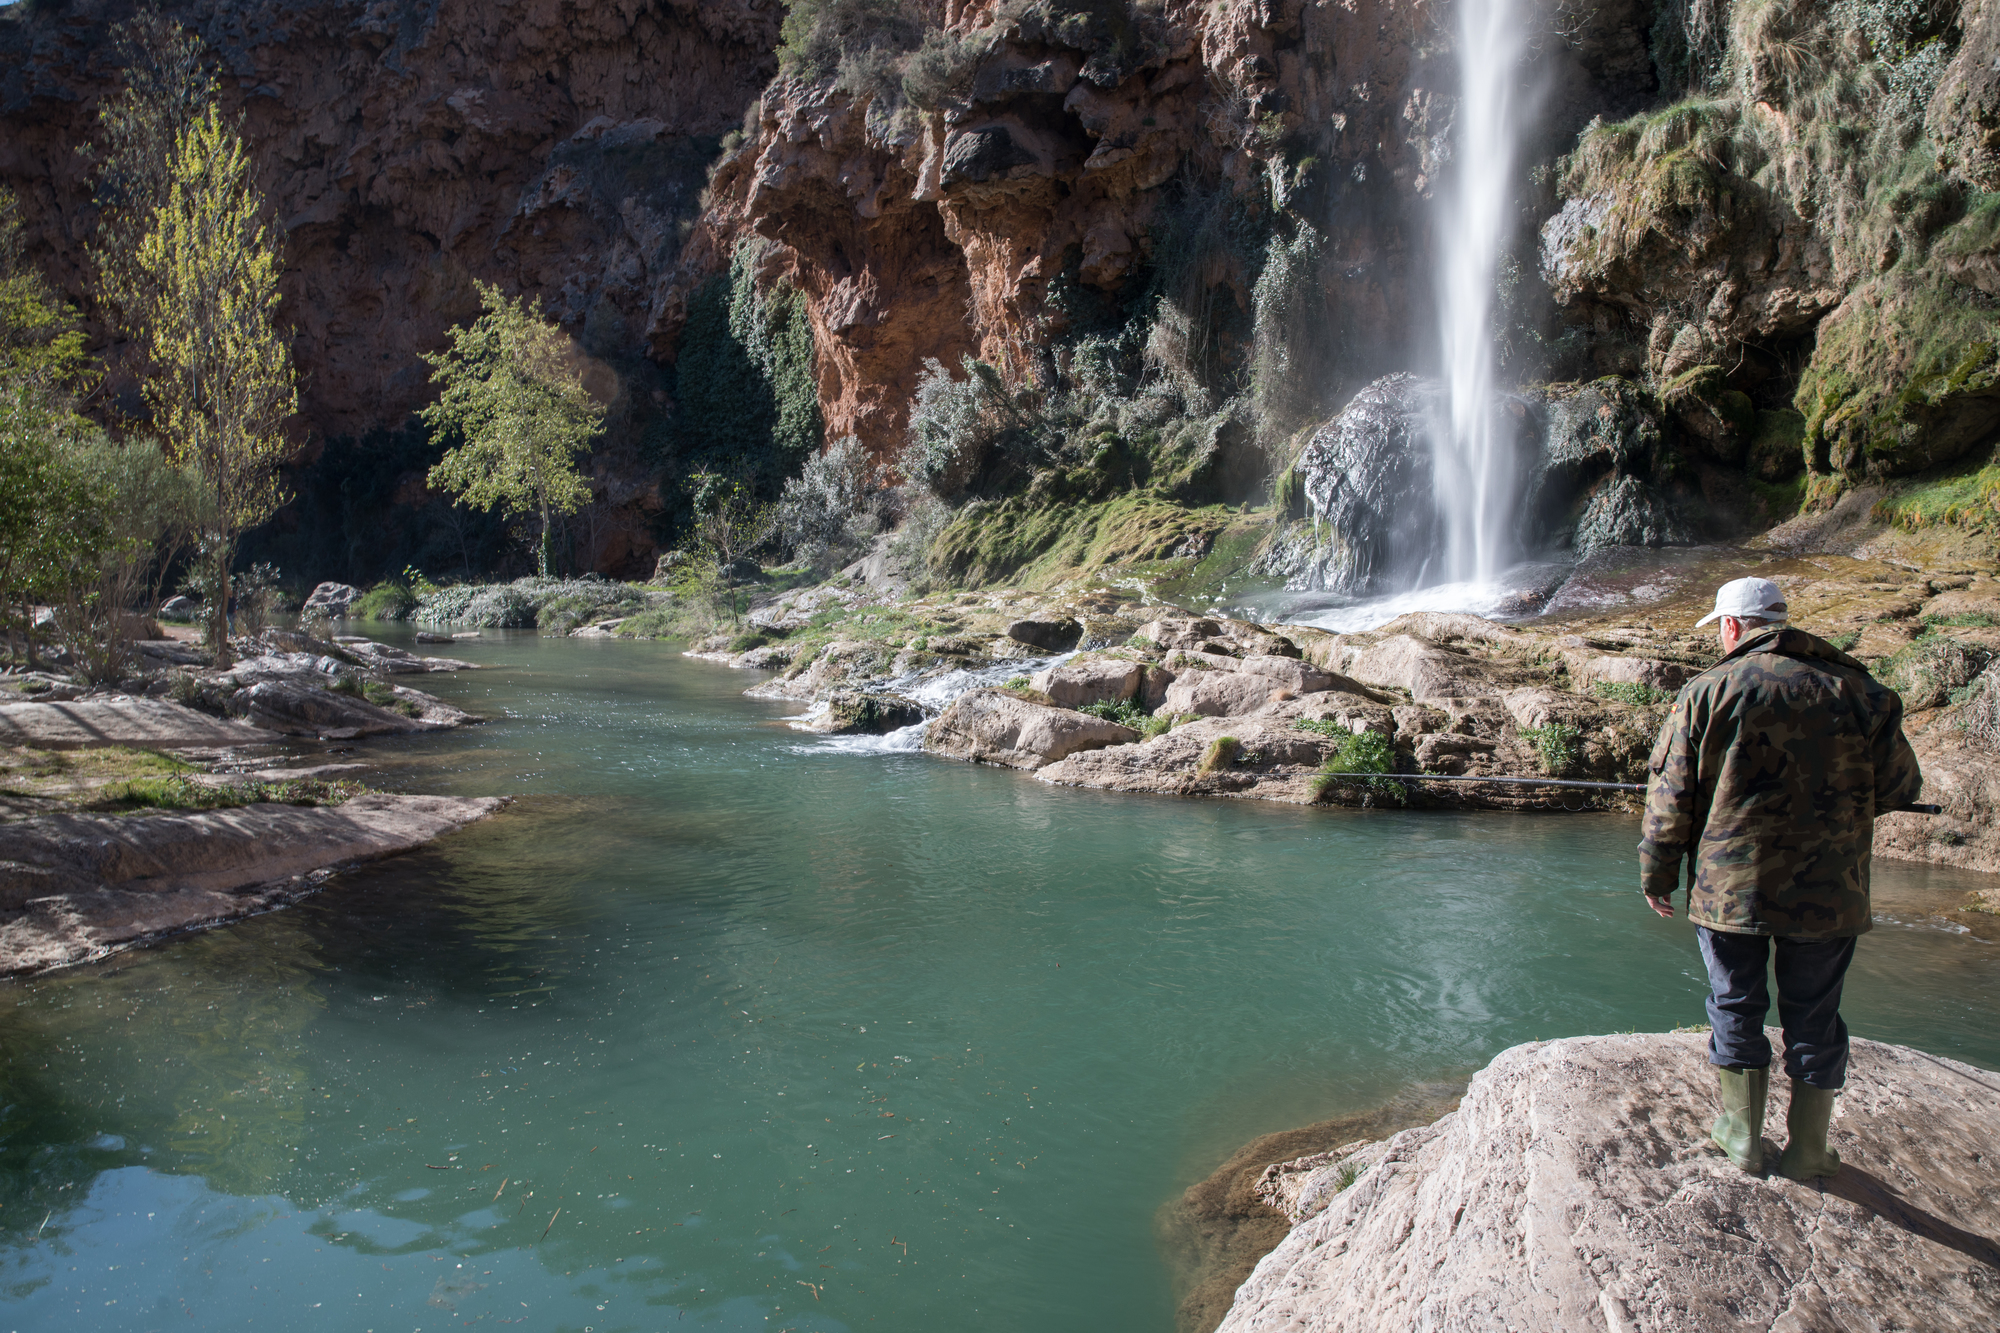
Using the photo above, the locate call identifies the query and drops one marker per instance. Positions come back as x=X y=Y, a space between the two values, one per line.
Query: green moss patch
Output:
x=1035 y=545
x=1967 y=496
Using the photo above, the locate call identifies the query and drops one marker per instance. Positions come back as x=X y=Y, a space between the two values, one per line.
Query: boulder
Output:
x=1275 y=759
x=1219 y=693
x=1297 y=676
x=182 y=609
x=1089 y=681
x=1422 y=669
x=332 y=599
x=432 y=636
x=295 y=707
x=857 y=712
x=1367 y=475
x=1051 y=636
x=1575 y=1189
x=992 y=726
x=74 y=887
x=1648 y=671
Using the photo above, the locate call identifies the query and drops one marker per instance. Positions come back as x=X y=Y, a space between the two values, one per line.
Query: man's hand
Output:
x=1663 y=906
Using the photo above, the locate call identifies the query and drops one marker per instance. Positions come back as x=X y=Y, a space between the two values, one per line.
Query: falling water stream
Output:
x=1475 y=474
x=1474 y=468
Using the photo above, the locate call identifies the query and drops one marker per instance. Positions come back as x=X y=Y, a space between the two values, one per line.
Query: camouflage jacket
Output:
x=1770 y=772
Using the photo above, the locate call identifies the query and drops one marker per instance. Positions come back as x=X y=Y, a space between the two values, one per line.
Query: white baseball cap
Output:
x=1748 y=599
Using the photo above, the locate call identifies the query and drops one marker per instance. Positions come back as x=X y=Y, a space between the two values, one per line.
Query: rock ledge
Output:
x=1573 y=1189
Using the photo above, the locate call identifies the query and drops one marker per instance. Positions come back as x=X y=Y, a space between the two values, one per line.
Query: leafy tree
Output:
x=201 y=298
x=168 y=89
x=46 y=511
x=513 y=390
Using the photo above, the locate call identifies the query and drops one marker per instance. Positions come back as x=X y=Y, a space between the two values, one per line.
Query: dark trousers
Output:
x=1810 y=975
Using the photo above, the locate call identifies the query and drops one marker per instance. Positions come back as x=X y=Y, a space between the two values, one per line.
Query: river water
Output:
x=723 y=1027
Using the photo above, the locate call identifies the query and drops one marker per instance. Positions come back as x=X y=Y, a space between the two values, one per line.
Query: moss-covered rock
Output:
x=1904 y=377
x=1720 y=419
x=1777 y=445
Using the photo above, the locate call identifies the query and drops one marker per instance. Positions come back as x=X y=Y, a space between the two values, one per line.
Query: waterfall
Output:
x=1474 y=473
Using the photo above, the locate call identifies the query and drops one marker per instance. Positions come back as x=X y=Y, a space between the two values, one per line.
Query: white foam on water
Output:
x=933 y=692
x=1479 y=599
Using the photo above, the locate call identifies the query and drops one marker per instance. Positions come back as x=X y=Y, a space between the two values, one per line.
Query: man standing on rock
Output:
x=1770 y=773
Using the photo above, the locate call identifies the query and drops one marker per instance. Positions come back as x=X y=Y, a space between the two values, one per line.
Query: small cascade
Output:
x=1475 y=470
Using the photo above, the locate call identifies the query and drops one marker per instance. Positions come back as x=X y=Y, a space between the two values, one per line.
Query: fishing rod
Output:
x=1578 y=783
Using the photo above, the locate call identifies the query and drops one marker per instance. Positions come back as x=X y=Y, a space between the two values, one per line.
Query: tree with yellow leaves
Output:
x=513 y=389
x=202 y=304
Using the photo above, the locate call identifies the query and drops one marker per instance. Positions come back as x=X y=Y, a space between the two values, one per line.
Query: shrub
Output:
x=1979 y=714
x=1221 y=753
x=743 y=643
x=1931 y=668
x=832 y=506
x=385 y=601
x=1357 y=760
x=1017 y=683
x=1125 y=712
x=1631 y=692
x=1559 y=745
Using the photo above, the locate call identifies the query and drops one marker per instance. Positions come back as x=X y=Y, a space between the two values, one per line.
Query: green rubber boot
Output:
x=1806 y=1155
x=1739 y=1130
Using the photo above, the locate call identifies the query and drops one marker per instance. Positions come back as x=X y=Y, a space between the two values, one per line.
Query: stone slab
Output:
x=144 y=724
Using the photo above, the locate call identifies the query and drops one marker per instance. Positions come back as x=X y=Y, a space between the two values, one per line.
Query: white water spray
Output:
x=1472 y=455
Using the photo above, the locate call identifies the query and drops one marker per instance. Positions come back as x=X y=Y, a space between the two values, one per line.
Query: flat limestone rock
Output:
x=994 y=727
x=1573 y=1189
x=75 y=887
x=146 y=724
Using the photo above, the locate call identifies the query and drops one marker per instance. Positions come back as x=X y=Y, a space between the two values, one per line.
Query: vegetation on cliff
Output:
x=1808 y=121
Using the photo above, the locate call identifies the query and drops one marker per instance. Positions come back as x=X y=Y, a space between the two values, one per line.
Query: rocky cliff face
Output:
x=1249 y=173
x=1195 y=229
x=411 y=149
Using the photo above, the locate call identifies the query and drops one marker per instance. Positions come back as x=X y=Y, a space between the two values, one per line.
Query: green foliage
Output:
x=1125 y=712
x=1031 y=540
x=182 y=792
x=1968 y=496
x=169 y=87
x=1017 y=683
x=1962 y=620
x=1631 y=692
x=1845 y=642
x=1159 y=724
x=819 y=36
x=385 y=601
x=1221 y=753
x=745 y=392
x=1356 y=764
x=201 y=300
x=1559 y=746
x=512 y=388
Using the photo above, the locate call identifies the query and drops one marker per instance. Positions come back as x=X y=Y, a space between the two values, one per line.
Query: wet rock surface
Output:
x=75 y=887
x=1574 y=1188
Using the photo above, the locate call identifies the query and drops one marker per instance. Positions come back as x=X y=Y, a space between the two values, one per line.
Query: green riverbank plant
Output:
x=1220 y=754
x=1630 y=692
x=1356 y=763
x=1125 y=712
x=1558 y=745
